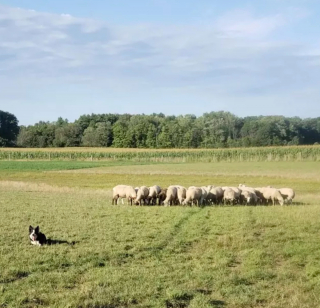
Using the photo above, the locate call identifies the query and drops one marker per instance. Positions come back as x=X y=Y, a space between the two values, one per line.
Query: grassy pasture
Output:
x=122 y=256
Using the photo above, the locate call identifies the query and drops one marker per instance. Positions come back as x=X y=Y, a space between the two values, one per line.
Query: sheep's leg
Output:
x=115 y=200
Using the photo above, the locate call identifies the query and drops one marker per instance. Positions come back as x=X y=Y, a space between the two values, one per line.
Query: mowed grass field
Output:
x=121 y=256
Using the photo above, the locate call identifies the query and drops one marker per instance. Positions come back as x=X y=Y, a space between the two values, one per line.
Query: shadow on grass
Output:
x=285 y=204
x=297 y=204
x=204 y=291
x=183 y=300
x=179 y=301
x=58 y=242
x=15 y=277
x=217 y=303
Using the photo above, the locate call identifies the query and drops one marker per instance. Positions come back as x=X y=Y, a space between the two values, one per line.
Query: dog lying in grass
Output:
x=36 y=237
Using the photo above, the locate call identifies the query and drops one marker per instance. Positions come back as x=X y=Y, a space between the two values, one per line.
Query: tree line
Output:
x=211 y=130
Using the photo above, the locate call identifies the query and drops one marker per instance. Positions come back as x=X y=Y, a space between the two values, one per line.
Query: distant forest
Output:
x=211 y=130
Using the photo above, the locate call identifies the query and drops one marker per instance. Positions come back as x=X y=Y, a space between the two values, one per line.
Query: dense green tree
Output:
x=217 y=128
x=9 y=129
x=211 y=130
x=91 y=120
x=25 y=137
x=120 y=133
x=89 y=138
x=68 y=135
x=104 y=132
x=40 y=135
x=98 y=136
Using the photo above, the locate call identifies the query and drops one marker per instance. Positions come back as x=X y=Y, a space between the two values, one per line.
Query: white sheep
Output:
x=193 y=196
x=123 y=191
x=288 y=194
x=272 y=194
x=154 y=192
x=172 y=194
x=142 y=195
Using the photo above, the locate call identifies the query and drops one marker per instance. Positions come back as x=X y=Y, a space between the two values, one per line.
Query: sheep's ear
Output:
x=37 y=229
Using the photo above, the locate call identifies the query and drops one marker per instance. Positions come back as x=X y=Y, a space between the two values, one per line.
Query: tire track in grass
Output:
x=172 y=236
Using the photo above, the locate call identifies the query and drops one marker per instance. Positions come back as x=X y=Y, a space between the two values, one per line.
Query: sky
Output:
x=75 y=57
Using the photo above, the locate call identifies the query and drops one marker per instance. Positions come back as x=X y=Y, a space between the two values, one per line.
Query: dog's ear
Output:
x=37 y=229
x=30 y=228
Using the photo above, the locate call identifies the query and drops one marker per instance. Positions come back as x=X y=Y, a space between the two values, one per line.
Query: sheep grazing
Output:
x=193 y=196
x=248 y=195
x=287 y=194
x=162 y=195
x=216 y=193
x=259 y=193
x=181 y=194
x=123 y=191
x=205 y=195
x=172 y=195
x=211 y=197
x=248 y=198
x=142 y=195
x=154 y=192
x=229 y=196
x=237 y=193
x=272 y=194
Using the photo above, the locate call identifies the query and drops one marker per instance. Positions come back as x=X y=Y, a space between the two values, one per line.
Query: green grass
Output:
x=155 y=256
x=58 y=165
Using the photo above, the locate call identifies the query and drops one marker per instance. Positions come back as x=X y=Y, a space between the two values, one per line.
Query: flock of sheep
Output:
x=205 y=195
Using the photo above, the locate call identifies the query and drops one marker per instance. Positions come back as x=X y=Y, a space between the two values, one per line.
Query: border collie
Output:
x=36 y=237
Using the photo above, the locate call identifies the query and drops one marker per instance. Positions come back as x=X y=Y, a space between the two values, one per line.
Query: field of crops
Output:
x=153 y=256
x=293 y=153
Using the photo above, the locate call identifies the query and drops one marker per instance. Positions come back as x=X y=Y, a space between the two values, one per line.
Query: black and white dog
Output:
x=36 y=237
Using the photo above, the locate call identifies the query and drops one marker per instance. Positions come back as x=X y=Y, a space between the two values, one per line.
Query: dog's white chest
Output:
x=37 y=243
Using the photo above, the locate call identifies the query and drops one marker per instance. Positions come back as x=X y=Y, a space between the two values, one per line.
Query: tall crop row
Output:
x=305 y=153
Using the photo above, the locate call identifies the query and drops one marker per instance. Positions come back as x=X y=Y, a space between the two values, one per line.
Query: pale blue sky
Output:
x=68 y=58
